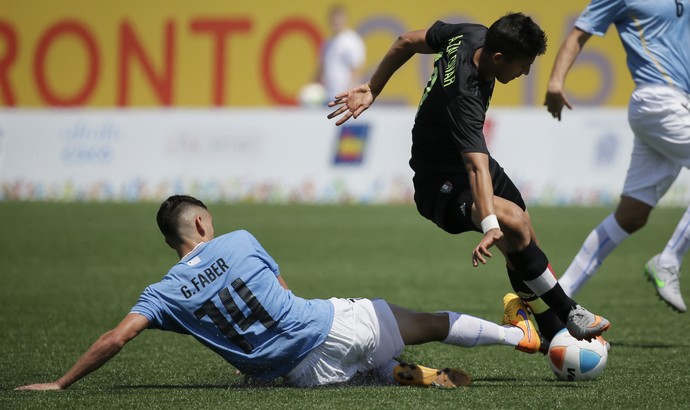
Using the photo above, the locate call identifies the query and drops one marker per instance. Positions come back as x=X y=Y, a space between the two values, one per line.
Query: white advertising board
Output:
x=295 y=155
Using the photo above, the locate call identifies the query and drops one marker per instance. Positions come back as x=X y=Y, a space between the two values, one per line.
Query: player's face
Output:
x=508 y=70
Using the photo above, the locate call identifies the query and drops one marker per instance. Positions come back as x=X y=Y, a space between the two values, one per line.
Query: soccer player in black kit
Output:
x=458 y=185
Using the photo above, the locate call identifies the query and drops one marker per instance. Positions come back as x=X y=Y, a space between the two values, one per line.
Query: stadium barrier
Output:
x=296 y=155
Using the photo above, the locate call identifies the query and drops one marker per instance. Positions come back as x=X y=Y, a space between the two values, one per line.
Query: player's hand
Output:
x=351 y=103
x=482 y=250
x=554 y=102
x=40 y=386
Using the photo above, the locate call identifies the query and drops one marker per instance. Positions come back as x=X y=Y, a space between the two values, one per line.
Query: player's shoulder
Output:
x=458 y=27
x=442 y=31
x=239 y=234
x=236 y=238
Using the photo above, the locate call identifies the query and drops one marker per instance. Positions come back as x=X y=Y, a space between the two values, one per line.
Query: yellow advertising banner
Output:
x=211 y=53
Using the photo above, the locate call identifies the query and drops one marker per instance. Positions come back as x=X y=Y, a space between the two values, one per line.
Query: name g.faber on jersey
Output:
x=203 y=278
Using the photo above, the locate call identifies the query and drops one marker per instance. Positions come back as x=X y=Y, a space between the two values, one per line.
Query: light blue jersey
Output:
x=654 y=33
x=225 y=293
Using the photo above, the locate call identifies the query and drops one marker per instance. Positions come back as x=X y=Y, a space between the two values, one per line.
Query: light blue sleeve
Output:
x=599 y=15
x=654 y=34
x=150 y=307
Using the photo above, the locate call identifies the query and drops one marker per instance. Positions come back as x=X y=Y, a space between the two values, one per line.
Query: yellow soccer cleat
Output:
x=410 y=374
x=516 y=313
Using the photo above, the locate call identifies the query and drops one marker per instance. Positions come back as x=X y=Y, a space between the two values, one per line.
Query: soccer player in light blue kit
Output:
x=656 y=38
x=228 y=293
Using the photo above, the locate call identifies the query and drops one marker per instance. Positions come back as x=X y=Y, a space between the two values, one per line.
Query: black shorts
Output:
x=446 y=198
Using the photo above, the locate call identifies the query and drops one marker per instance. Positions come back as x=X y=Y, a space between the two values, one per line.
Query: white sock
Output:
x=677 y=246
x=470 y=331
x=513 y=335
x=599 y=244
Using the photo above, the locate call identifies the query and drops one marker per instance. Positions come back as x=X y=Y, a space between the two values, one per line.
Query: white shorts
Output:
x=659 y=116
x=364 y=337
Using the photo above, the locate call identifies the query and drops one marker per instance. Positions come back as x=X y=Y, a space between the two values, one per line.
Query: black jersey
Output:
x=451 y=113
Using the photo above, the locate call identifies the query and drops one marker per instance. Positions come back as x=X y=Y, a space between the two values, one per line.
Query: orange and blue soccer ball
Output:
x=575 y=360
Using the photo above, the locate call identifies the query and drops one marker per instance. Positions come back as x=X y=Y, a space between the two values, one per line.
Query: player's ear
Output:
x=498 y=58
x=204 y=225
x=199 y=225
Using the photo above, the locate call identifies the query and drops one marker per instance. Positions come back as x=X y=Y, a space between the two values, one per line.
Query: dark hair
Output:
x=515 y=35
x=168 y=216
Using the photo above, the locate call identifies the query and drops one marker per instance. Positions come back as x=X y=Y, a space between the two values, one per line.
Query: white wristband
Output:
x=490 y=222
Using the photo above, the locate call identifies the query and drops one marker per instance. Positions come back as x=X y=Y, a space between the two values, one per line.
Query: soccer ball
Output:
x=312 y=95
x=574 y=360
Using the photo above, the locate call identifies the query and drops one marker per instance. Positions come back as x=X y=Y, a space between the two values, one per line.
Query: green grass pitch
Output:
x=69 y=272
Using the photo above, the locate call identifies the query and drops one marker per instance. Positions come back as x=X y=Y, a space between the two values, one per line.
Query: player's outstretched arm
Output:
x=104 y=349
x=354 y=102
x=555 y=95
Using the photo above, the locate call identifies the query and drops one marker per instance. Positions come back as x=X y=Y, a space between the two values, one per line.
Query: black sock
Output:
x=548 y=322
x=530 y=263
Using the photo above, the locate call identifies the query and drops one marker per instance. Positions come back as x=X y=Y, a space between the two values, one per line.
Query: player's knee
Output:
x=632 y=214
x=515 y=224
x=632 y=221
x=631 y=224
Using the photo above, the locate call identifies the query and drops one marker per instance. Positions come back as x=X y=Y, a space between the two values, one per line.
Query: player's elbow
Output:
x=475 y=166
x=113 y=341
x=404 y=44
x=404 y=40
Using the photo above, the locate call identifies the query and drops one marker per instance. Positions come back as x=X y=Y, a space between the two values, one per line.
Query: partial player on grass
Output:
x=458 y=185
x=229 y=294
x=656 y=39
